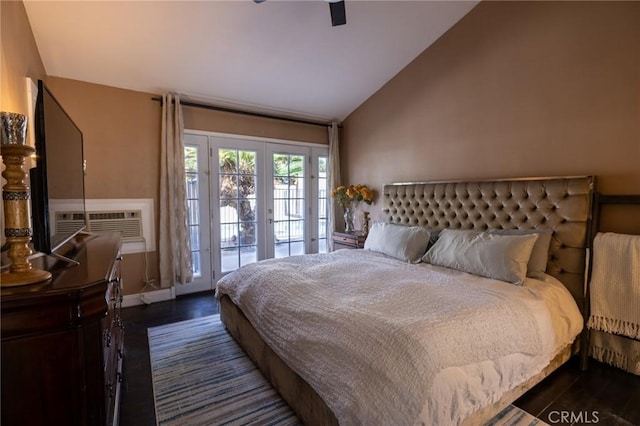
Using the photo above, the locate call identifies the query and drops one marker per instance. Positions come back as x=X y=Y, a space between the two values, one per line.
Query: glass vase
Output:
x=348 y=219
x=13 y=128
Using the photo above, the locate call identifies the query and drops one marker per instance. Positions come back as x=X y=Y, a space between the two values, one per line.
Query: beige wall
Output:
x=514 y=89
x=121 y=130
x=216 y=121
x=20 y=57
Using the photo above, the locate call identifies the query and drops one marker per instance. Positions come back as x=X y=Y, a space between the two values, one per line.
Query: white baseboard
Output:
x=149 y=297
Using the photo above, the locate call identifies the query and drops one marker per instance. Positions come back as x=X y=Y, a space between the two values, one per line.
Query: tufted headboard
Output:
x=562 y=204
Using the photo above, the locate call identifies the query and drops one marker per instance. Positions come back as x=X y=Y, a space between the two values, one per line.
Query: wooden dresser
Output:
x=62 y=341
x=351 y=240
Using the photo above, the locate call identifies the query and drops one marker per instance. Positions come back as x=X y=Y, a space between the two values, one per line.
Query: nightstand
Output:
x=352 y=240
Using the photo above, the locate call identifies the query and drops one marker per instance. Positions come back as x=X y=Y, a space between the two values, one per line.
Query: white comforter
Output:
x=383 y=342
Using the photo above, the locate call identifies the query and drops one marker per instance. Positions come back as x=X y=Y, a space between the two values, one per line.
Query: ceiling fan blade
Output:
x=338 y=16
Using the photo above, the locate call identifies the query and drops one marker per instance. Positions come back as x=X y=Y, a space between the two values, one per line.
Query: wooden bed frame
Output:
x=562 y=204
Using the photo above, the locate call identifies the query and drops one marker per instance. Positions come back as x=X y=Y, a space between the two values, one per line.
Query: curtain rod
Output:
x=249 y=113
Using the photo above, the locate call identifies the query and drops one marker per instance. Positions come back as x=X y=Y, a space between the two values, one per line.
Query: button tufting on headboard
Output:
x=560 y=204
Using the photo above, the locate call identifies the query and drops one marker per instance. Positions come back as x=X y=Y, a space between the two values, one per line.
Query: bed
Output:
x=373 y=304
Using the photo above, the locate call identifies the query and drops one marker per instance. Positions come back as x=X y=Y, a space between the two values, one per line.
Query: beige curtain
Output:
x=334 y=179
x=174 y=241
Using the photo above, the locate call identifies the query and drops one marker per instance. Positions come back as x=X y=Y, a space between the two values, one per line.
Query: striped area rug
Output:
x=202 y=377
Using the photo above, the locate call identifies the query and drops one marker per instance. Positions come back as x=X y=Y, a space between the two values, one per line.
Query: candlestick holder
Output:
x=15 y=198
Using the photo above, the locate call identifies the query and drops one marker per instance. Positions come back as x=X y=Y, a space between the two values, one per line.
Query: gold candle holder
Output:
x=15 y=198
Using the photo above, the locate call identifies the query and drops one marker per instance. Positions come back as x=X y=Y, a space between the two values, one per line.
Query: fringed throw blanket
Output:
x=618 y=351
x=615 y=284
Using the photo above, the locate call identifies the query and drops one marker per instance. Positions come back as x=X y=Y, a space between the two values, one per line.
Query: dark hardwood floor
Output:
x=602 y=395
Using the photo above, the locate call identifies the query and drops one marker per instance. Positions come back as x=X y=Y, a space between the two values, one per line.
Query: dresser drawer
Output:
x=345 y=240
x=348 y=241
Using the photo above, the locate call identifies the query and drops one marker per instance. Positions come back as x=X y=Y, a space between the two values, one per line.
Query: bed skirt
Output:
x=305 y=401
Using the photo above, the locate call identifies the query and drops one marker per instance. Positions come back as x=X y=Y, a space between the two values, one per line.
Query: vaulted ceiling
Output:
x=277 y=56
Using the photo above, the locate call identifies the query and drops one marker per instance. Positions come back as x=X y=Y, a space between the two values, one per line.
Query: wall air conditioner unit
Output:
x=128 y=222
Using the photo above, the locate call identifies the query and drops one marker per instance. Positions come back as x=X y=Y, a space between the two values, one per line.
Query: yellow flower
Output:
x=367 y=195
x=352 y=194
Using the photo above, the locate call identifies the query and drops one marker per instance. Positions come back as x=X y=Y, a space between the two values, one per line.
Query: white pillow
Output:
x=501 y=257
x=407 y=243
x=537 y=265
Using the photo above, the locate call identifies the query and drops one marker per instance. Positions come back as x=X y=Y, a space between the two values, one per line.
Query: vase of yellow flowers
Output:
x=348 y=198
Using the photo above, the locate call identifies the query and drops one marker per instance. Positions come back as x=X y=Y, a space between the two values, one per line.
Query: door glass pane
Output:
x=193 y=206
x=322 y=204
x=230 y=259
x=238 y=224
x=195 y=262
x=228 y=186
x=289 y=204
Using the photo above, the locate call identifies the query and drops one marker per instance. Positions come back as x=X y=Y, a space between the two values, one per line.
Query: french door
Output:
x=250 y=200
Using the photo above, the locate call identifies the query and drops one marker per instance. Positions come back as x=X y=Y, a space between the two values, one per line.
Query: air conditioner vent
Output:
x=68 y=222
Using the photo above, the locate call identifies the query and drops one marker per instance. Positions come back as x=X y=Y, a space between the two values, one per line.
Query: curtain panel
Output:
x=174 y=238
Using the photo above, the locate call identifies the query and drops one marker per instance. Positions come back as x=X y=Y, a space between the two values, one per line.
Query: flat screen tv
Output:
x=57 y=180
